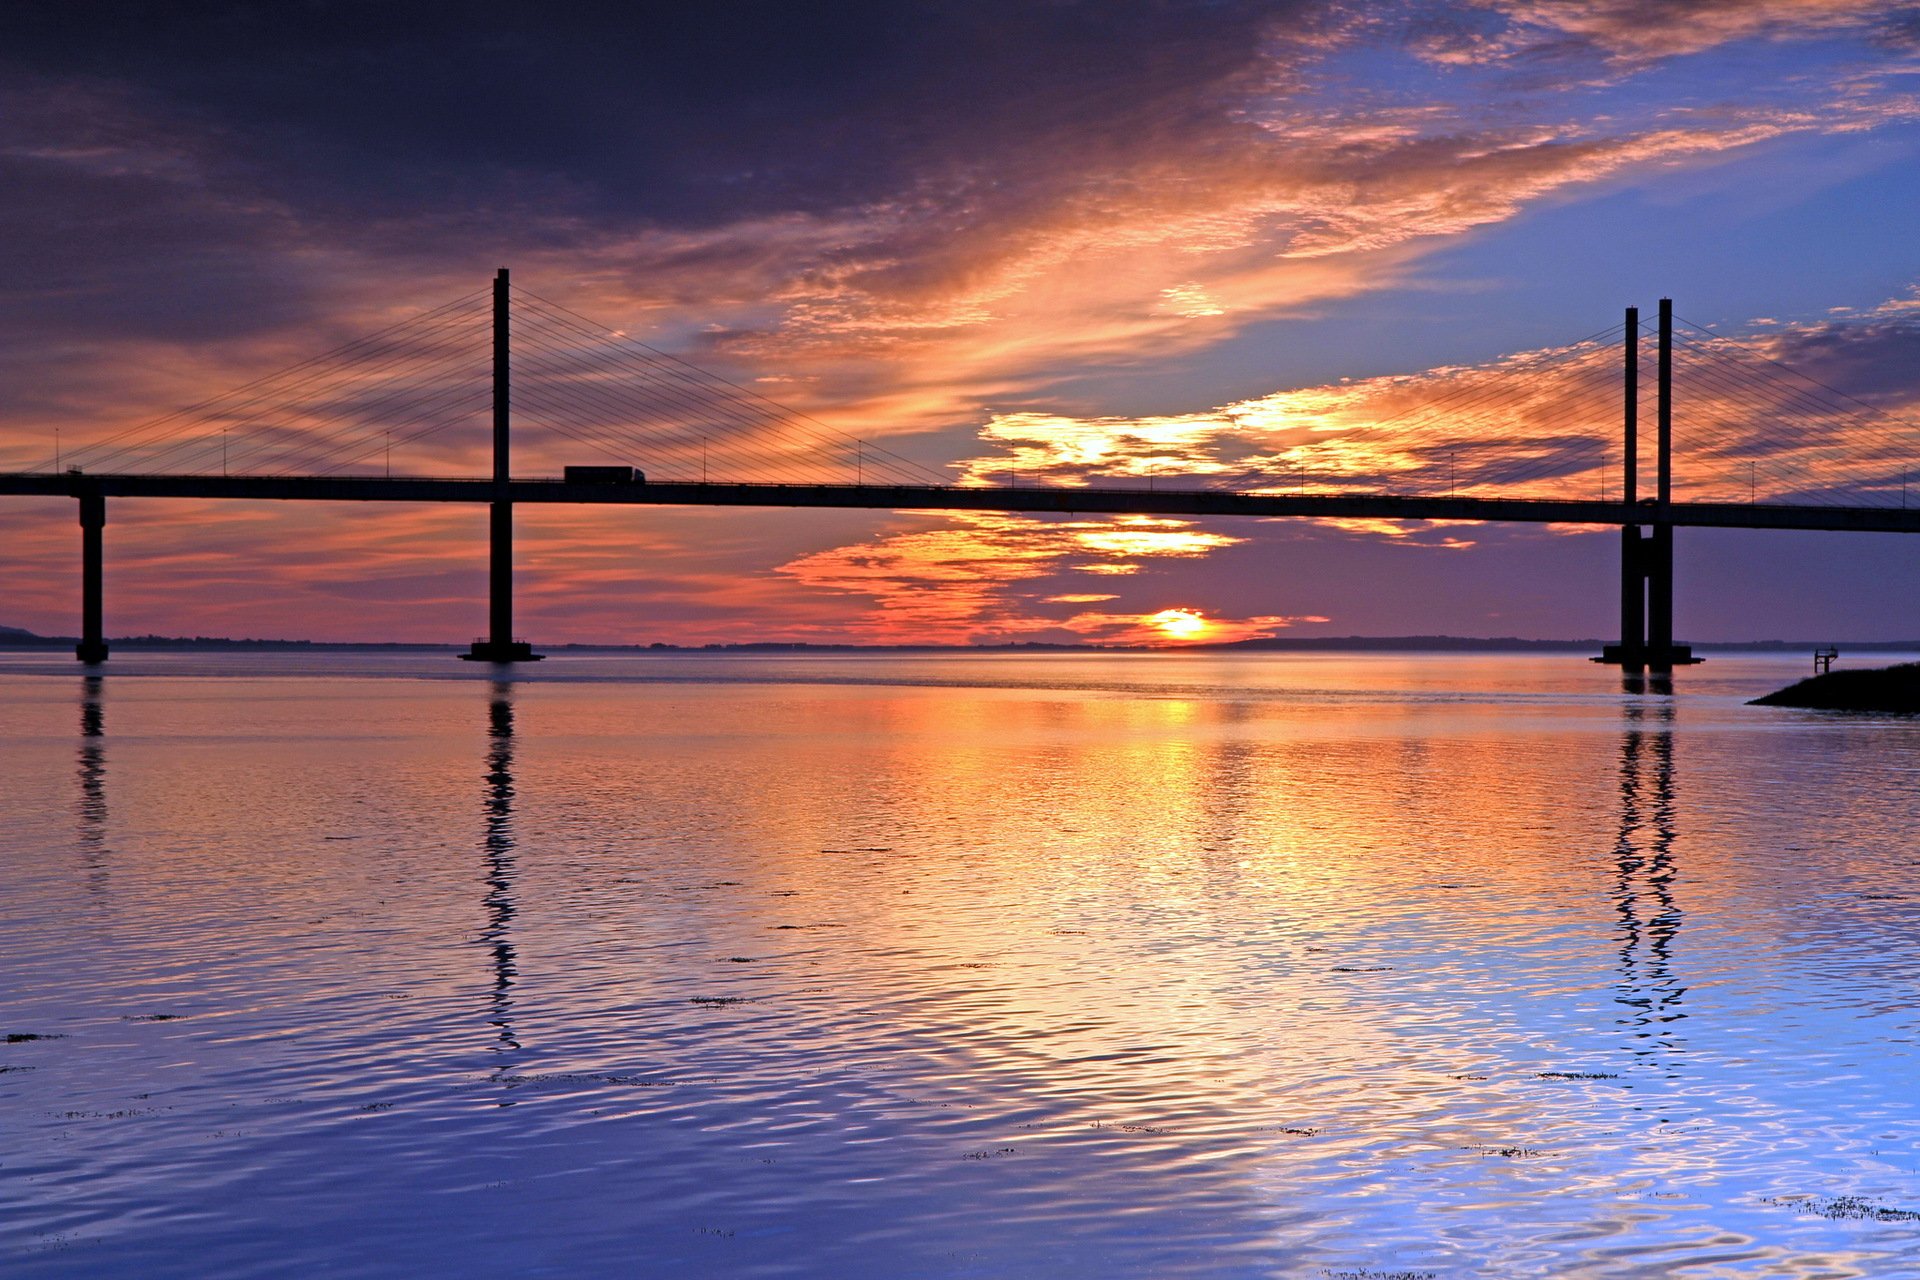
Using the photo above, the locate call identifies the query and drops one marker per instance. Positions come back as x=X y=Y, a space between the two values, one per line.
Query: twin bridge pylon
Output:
x=1646 y=558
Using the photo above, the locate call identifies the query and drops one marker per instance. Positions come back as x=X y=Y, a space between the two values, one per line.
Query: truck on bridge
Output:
x=603 y=475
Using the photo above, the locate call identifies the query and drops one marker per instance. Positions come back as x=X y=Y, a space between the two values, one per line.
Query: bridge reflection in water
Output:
x=91 y=809
x=1649 y=915
x=498 y=851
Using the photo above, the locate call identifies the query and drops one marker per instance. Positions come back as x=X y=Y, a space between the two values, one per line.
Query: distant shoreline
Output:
x=13 y=639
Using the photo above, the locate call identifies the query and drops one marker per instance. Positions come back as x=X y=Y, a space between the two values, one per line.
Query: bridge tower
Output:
x=500 y=646
x=1646 y=560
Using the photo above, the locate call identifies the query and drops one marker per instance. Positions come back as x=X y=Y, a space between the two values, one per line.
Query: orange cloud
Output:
x=1543 y=423
x=963 y=582
x=1540 y=422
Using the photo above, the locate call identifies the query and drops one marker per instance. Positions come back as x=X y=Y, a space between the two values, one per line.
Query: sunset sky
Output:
x=1243 y=245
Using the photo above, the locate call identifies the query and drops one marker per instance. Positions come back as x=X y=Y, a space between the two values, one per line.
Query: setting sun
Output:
x=1179 y=624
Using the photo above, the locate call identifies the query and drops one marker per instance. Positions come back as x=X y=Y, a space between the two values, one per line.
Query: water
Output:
x=1055 y=966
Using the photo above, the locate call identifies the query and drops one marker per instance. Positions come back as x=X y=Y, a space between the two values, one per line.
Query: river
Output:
x=969 y=965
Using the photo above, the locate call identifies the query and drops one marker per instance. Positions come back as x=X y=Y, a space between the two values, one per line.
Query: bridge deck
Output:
x=1092 y=501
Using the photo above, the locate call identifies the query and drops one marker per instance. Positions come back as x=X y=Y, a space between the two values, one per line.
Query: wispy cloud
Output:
x=1638 y=32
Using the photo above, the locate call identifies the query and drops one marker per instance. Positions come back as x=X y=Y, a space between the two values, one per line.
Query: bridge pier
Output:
x=500 y=646
x=1646 y=561
x=92 y=648
x=1662 y=653
x=1646 y=605
x=1630 y=653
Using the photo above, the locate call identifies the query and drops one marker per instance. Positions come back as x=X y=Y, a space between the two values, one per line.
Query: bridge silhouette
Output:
x=325 y=430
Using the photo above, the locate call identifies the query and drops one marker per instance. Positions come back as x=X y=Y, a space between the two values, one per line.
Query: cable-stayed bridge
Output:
x=1554 y=437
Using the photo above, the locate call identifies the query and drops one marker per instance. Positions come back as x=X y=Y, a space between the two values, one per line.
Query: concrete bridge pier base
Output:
x=500 y=646
x=1663 y=655
x=1630 y=654
x=1646 y=605
x=92 y=648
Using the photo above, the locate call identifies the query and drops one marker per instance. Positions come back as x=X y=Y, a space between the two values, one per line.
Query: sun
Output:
x=1179 y=624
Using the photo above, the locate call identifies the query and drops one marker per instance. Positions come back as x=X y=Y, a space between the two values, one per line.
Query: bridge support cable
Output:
x=275 y=420
x=690 y=404
x=1551 y=447
x=597 y=400
x=1823 y=446
x=311 y=428
x=1492 y=425
x=194 y=434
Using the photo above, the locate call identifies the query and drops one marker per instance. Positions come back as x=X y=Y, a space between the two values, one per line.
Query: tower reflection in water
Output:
x=498 y=851
x=1648 y=916
x=91 y=811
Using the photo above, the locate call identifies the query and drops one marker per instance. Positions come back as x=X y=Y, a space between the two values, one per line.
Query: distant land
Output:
x=19 y=638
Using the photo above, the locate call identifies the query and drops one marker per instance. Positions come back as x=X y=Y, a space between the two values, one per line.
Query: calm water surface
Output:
x=1057 y=966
